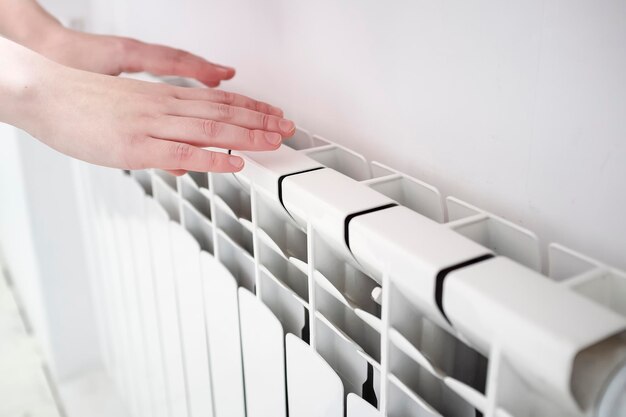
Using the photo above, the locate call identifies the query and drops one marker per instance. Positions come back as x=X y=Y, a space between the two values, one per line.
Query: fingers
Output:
x=224 y=97
x=176 y=172
x=204 y=95
x=176 y=157
x=239 y=116
x=163 y=60
x=207 y=132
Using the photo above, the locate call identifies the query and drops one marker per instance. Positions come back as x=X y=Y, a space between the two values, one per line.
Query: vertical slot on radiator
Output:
x=588 y=277
x=379 y=170
x=346 y=319
x=345 y=296
x=439 y=351
x=279 y=231
x=403 y=402
x=198 y=226
x=606 y=287
x=201 y=179
x=409 y=192
x=168 y=179
x=286 y=305
x=166 y=197
x=230 y=193
x=144 y=178
x=565 y=264
x=359 y=372
x=303 y=140
x=234 y=229
x=349 y=284
x=198 y=197
x=502 y=237
x=284 y=271
x=458 y=209
x=342 y=160
x=427 y=386
x=237 y=261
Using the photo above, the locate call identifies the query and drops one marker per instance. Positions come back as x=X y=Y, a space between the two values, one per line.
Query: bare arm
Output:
x=120 y=122
x=26 y=22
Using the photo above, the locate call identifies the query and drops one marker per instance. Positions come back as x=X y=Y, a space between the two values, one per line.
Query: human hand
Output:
x=131 y=124
x=120 y=122
x=113 y=55
x=27 y=23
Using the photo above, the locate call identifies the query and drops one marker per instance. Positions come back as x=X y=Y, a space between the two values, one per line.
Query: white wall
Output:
x=517 y=107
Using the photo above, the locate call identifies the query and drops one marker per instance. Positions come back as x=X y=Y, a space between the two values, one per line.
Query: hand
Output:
x=113 y=55
x=132 y=124
x=124 y=123
x=28 y=24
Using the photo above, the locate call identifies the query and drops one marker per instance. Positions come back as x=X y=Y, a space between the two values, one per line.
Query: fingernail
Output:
x=273 y=138
x=226 y=72
x=286 y=126
x=235 y=161
x=277 y=111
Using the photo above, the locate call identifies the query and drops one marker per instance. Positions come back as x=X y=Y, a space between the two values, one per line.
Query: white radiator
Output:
x=316 y=284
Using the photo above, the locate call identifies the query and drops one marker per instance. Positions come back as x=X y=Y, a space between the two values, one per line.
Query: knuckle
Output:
x=264 y=121
x=129 y=153
x=225 y=111
x=261 y=107
x=251 y=138
x=164 y=103
x=212 y=161
x=177 y=93
x=228 y=98
x=219 y=96
x=210 y=128
x=182 y=152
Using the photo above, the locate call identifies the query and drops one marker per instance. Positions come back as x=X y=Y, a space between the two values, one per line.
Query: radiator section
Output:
x=316 y=284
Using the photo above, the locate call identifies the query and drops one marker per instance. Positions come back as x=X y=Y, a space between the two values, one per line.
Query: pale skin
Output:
x=59 y=85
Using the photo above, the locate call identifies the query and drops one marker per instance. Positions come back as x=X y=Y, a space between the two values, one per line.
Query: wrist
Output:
x=39 y=39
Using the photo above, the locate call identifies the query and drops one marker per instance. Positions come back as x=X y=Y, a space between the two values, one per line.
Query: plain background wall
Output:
x=516 y=107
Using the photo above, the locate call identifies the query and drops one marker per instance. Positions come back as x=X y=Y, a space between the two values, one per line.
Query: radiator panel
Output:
x=276 y=291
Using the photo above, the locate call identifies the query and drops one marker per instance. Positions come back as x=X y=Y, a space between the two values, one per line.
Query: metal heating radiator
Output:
x=316 y=284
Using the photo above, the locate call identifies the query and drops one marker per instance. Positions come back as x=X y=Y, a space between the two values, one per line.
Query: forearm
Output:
x=22 y=72
x=26 y=22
